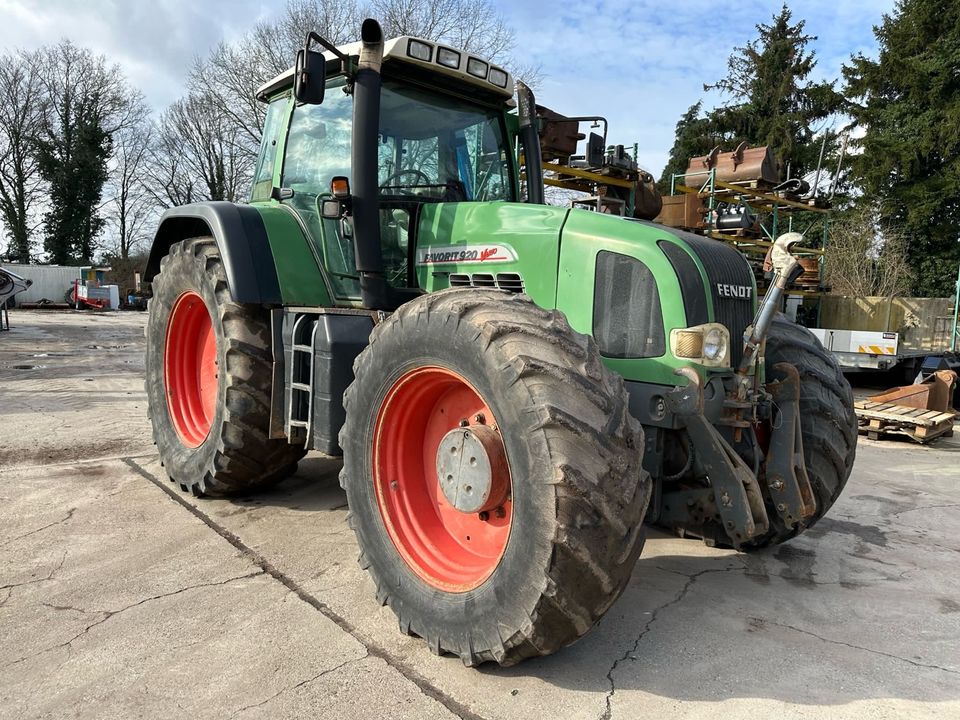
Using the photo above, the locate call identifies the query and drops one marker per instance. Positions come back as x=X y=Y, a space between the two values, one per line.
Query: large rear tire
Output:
x=209 y=377
x=828 y=423
x=536 y=569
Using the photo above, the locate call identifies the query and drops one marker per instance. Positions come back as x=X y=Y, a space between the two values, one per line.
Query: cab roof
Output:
x=424 y=54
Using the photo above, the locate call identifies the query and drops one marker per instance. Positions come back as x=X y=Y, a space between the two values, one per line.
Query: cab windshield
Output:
x=432 y=148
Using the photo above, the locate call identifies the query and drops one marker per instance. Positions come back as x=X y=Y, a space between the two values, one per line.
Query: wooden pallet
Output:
x=876 y=419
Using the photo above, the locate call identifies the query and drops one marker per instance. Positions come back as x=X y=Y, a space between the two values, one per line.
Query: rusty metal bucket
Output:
x=743 y=165
x=682 y=211
x=558 y=135
x=934 y=393
x=647 y=202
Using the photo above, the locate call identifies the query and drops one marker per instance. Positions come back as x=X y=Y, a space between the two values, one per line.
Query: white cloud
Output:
x=153 y=41
x=641 y=64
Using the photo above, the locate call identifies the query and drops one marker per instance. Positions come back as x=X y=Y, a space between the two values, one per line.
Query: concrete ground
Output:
x=119 y=597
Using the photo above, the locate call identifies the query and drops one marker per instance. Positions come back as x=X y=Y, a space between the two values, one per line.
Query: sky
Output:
x=640 y=63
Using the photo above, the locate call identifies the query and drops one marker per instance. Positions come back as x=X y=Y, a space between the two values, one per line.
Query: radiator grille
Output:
x=727 y=272
x=511 y=282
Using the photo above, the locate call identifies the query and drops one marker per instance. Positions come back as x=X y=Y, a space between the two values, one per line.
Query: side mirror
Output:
x=309 y=74
x=330 y=209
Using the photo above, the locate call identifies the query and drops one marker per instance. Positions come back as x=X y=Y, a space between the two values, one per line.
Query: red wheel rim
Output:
x=448 y=549
x=190 y=369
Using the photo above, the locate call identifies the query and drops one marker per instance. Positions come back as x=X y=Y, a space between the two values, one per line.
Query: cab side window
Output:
x=267 y=160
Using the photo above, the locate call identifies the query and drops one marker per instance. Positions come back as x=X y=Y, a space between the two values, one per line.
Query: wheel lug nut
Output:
x=464 y=423
x=484 y=515
x=500 y=512
x=479 y=418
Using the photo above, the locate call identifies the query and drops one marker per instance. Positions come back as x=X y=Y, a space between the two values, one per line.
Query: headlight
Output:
x=477 y=68
x=420 y=50
x=498 y=77
x=707 y=344
x=688 y=344
x=448 y=58
x=714 y=344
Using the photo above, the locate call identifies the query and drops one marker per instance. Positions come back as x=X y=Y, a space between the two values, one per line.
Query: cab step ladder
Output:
x=300 y=385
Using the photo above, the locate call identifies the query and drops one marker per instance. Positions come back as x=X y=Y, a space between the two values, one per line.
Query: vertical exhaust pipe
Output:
x=530 y=142
x=366 y=188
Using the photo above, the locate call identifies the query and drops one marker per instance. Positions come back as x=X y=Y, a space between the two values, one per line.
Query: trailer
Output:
x=863 y=350
x=883 y=334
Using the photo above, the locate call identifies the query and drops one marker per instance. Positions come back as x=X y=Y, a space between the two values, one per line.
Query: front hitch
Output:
x=786 y=472
x=734 y=494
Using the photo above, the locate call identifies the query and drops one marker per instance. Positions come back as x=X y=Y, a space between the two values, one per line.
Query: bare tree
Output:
x=21 y=111
x=471 y=25
x=864 y=258
x=196 y=155
x=131 y=204
x=233 y=71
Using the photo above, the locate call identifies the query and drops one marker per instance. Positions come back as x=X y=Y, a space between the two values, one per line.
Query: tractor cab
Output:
x=441 y=136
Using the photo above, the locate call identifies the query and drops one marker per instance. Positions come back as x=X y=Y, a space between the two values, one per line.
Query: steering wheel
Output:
x=400 y=173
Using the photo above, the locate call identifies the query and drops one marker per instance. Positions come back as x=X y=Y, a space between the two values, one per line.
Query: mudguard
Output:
x=241 y=239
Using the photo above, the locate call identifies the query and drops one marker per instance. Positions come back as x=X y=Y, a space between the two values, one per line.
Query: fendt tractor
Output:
x=515 y=387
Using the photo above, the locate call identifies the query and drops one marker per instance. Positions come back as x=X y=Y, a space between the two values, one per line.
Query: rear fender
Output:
x=241 y=239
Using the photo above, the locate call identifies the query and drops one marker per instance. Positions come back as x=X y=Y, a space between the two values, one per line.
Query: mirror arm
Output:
x=314 y=37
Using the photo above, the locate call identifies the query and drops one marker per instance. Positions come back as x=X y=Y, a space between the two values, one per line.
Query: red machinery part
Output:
x=448 y=549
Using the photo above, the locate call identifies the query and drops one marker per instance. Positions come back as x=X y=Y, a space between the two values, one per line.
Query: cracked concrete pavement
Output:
x=121 y=597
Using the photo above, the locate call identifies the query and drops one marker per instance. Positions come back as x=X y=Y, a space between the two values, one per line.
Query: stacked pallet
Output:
x=877 y=419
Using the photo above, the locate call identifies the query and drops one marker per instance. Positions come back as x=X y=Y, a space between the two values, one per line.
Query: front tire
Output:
x=209 y=378
x=828 y=422
x=539 y=567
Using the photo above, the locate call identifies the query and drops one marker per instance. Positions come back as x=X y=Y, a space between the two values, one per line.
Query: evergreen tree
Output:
x=695 y=136
x=908 y=103
x=771 y=101
x=73 y=161
x=86 y=103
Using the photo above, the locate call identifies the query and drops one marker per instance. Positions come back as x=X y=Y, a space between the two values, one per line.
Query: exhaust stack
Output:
x=366 y=189
x=530 y=140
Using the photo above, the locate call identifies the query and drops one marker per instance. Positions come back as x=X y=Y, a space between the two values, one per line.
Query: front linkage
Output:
x=739 y=495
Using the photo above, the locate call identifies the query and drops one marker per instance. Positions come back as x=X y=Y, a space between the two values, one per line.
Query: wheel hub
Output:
x=472 y=469
x=190 y=370
x=450 y=549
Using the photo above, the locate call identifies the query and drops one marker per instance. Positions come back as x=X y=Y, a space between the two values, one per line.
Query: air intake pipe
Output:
x=366 y=190
x=530 y=142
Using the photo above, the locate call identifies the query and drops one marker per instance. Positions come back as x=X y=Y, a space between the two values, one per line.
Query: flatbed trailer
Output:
x=865 y=351
x=887 y=333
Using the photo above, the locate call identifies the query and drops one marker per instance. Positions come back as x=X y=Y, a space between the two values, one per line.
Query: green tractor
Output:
x=515 y=388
